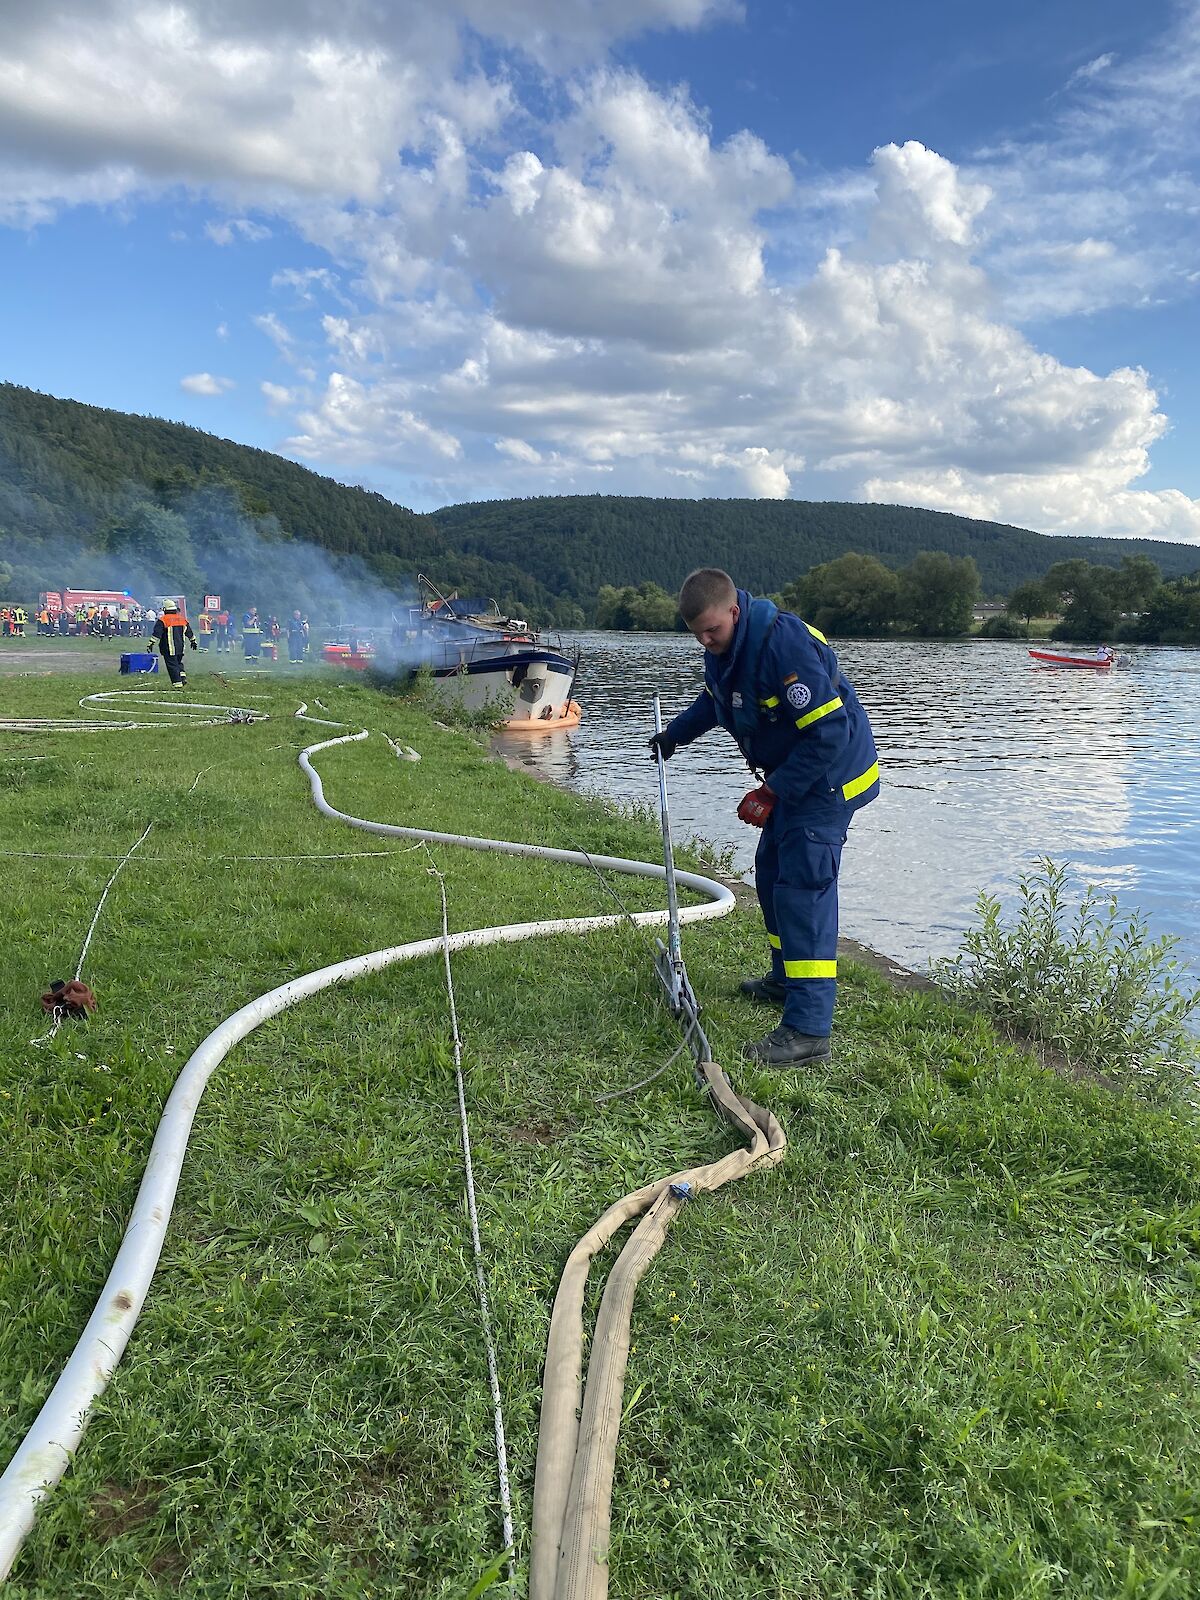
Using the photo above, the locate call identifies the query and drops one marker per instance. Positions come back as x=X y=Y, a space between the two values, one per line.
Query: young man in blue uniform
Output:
x=773 y=681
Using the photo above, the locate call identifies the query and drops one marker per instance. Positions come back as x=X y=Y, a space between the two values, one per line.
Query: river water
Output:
x=987 y=759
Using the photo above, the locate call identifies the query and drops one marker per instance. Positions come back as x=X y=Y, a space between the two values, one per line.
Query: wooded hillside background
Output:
x=89 y=496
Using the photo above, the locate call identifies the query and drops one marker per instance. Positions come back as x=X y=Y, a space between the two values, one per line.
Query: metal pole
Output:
x=674 y=945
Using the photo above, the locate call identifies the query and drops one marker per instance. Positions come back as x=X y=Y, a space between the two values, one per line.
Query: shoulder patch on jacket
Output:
x=791 y=678
x=799 y=695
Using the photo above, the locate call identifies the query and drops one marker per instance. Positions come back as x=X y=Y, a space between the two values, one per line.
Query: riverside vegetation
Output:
x=947 y=1350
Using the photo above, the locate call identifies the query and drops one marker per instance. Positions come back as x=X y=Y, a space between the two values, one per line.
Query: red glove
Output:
x=757 y=806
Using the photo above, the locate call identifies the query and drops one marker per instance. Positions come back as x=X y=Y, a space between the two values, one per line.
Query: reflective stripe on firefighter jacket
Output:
x=171 y=629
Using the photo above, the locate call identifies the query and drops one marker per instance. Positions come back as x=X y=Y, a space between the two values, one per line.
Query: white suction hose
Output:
x=44 y=1454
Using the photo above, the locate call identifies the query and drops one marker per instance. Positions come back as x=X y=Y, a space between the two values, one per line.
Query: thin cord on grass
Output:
x=59 y=1011
x=152 y=861
x=644 y=1083
x=485 y=1312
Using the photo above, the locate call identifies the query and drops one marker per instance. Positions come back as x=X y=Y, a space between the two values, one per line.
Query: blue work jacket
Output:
x=779 y=691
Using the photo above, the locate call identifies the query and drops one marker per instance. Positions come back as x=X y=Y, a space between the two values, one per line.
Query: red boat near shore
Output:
x=1096 y=663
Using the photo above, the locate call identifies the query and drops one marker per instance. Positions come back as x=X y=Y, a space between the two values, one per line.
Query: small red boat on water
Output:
x=1096 y=663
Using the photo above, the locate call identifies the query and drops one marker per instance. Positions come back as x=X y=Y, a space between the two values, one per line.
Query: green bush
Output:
x=1091 y=983
x=1002 y=626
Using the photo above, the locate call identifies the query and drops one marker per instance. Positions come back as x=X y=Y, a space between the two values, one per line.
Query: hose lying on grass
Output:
x=166 y=713
x=573 y=1489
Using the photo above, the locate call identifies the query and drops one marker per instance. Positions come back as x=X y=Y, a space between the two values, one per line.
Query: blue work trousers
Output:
x=796 y=875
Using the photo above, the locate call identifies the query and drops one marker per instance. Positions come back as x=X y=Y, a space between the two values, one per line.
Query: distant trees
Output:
x=1029 y=600
x=156 y=545
x=1130 y=602
x=647 y=607
x=938 y=593
x=932 y=596
x=1172 y=614
x=853 y=594
x=1093 y=599
x=1003 y=626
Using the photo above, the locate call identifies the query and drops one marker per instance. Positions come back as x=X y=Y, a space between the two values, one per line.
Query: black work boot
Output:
x=787 y=1047
x=768 y=991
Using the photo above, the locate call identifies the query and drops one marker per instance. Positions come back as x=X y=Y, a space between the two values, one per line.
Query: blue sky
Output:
x=937 y=254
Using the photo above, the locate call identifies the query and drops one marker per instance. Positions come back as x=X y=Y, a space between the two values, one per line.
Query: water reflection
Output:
x=988 y=761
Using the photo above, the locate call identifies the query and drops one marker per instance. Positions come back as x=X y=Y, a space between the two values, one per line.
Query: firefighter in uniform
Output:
x=773 y=682
x=170 y=631
x=251 y=634
x=205 y=626
x=297 y=636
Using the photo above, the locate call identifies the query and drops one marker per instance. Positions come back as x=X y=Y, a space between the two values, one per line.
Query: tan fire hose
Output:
x=572 y=1492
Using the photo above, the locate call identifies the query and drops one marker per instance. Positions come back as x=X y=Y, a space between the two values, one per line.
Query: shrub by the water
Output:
x=1002 y=626
x=1089 y=982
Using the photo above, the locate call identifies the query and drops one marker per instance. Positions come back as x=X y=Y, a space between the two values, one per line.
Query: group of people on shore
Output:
x=130 y=621
x=261 y=637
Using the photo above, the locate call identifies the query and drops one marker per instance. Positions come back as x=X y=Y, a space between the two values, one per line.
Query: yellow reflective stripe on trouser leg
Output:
x=822 y=711
x=773 y=941
x=863 y=781
x=810 y=969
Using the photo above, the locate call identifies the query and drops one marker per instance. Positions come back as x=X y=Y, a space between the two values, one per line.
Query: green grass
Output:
x=946 y=1350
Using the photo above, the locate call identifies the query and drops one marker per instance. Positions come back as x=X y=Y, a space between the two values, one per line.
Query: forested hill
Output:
x=128 y=500
x=89 y=496
x=576 y=543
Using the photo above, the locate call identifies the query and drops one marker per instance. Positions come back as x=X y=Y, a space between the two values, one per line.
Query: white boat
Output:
x=482 y=659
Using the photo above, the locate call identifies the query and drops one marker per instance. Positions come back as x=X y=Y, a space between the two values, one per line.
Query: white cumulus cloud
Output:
x=518 y=276
x=205 y=383
x=232 y=228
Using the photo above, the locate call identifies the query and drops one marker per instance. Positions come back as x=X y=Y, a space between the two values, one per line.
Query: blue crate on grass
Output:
x=139 y=661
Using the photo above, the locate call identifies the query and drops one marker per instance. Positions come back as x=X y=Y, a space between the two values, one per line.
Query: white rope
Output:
x=154 y=861
x=473 y=1212
x=104 y=897
x=59 y=1011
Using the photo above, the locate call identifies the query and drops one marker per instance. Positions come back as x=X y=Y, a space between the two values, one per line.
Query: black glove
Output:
x=662 y=744
x=192 y=642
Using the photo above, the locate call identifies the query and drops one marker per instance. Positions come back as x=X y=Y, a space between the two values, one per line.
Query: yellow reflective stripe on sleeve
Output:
x=857 y=785
x=822 y=711
x=773 y=701
x=816 y=633
x=810 y=969
x=773 y=941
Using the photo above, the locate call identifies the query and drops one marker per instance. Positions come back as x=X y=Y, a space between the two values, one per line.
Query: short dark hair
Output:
x=704 y=588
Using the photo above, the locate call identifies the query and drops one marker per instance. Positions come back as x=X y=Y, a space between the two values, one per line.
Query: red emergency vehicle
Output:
x=69 y=600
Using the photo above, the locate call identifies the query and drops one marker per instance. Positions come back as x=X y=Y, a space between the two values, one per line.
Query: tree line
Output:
x=1132 y=603
x=935 y=594
x=932 y=596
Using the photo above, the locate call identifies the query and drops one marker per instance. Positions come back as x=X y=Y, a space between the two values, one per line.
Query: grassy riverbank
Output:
x=947 y=1350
